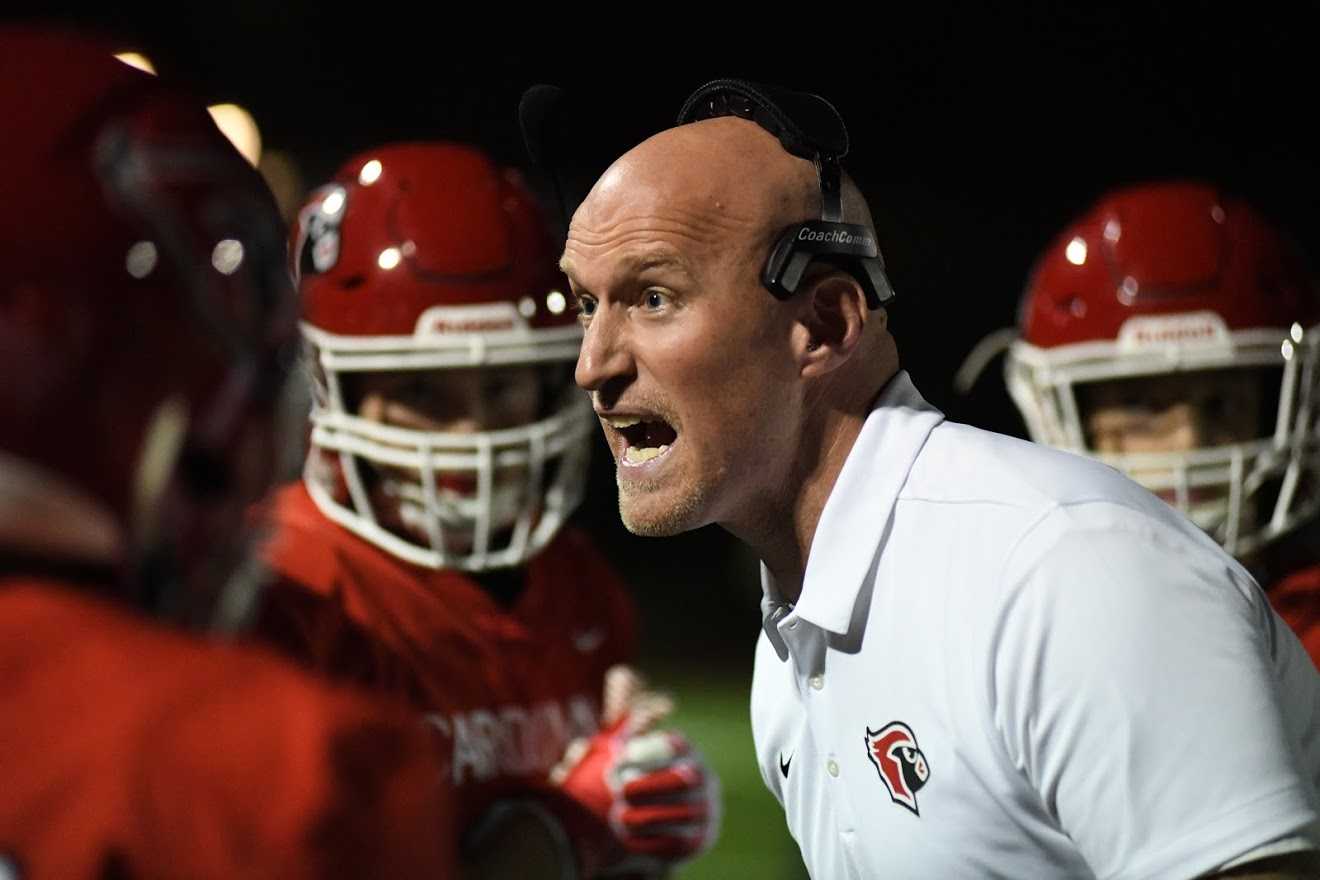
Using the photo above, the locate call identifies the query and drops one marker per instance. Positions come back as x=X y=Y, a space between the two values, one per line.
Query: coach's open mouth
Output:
x=644 y=439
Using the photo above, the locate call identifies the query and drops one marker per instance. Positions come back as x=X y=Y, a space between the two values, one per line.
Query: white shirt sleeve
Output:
x=1307 y=840
x=1134 y=687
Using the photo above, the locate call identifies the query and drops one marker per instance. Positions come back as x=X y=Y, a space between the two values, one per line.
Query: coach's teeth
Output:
x=623 y=421
x=643 y=454
x=640 y=454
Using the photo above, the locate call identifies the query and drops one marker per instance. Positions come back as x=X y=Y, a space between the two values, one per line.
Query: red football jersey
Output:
x=130 y=750
x=1297 y=599
x=503 y=689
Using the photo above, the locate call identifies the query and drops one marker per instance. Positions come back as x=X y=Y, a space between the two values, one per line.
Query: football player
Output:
x=146 y=321
x=1174 y=333
x=424 y=553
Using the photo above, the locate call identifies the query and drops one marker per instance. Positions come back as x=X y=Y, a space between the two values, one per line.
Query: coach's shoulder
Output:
x=960 y=463
x=1105 y=573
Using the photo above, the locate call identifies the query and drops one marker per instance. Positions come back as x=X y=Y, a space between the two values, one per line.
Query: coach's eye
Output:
x=585 y=306
x=655 y=299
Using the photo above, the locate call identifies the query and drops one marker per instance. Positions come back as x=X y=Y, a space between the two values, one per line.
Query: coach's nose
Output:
x=605 y=364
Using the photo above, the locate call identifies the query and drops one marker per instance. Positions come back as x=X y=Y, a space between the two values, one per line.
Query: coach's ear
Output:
x=832 y=315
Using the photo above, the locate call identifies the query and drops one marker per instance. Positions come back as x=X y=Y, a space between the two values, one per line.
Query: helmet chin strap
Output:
x=157 y=573
x=162 y=444
x=216 y=592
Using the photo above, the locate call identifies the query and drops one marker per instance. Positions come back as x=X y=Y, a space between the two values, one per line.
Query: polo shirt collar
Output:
x=859 y=505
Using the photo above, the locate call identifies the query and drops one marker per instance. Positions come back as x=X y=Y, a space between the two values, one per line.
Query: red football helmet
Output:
x=1170 y=278
x=146 y=319
x=422 y=258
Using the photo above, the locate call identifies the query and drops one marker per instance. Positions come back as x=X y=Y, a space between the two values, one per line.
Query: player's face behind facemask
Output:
x=1178 y=434
x=468 y=468
x=462 y=408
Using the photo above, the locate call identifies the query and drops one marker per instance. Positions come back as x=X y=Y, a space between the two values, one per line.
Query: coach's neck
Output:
x=843 y=375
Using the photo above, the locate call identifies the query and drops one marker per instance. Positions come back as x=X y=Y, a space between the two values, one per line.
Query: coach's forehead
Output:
x=719 y=185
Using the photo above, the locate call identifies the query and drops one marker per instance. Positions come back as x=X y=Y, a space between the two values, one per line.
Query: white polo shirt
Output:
x=1008 y=661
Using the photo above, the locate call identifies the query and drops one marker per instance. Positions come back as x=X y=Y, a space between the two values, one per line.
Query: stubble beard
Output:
x=679 y=515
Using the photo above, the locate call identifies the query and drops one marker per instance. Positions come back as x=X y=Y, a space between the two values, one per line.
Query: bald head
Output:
x=728 y=176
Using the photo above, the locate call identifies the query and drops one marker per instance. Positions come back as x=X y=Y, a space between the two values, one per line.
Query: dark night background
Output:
x=975 y=136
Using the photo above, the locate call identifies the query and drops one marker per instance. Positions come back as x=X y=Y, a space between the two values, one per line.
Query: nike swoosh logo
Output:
x=783 y=765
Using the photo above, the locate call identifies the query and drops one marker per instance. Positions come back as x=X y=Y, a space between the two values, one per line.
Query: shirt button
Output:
x=832 y=767
x=817 y=682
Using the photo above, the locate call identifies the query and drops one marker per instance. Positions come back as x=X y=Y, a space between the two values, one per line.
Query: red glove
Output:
x=650 y=788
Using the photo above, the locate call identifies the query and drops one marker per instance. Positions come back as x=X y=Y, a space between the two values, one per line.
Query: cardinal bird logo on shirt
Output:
x=900 y=762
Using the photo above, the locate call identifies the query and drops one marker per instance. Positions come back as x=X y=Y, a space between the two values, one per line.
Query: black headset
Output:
x=807 y=126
